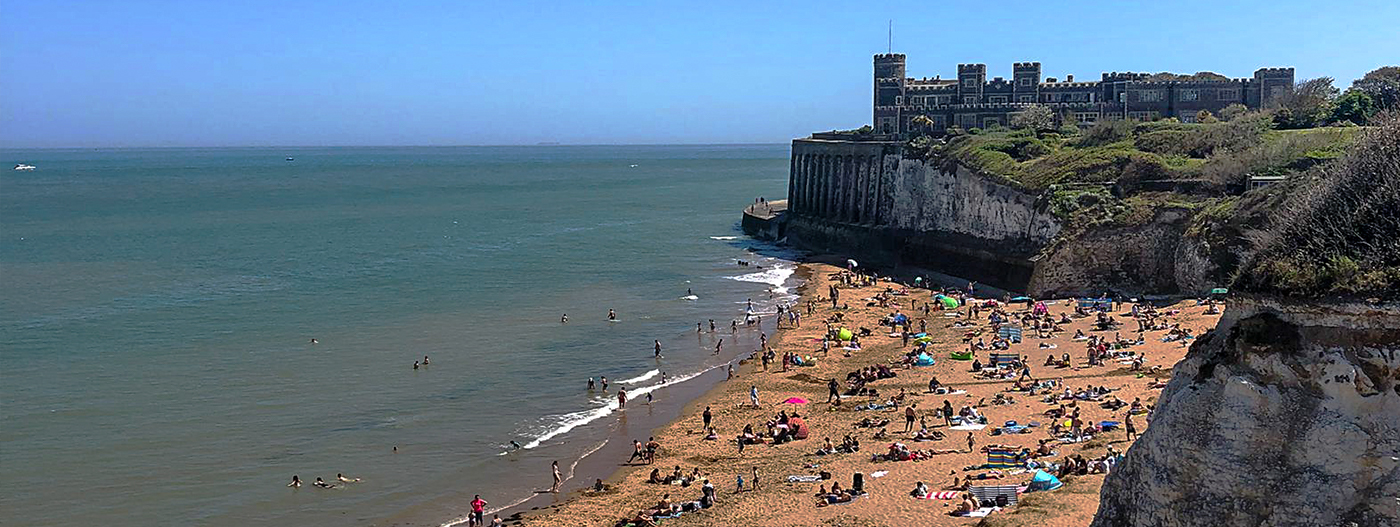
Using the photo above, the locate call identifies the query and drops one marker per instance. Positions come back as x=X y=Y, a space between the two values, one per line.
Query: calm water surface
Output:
x=157 y=306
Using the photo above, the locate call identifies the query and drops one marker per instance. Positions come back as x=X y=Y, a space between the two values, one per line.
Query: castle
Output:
x=971 y=101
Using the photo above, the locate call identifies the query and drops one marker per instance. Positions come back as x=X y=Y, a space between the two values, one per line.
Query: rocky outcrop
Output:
x=1288 y=413
x=1132 y=261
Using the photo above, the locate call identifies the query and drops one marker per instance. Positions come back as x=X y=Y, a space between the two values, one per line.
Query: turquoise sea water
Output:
x=157 y=306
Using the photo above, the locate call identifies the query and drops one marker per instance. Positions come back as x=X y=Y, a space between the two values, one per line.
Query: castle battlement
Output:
x=970 y=100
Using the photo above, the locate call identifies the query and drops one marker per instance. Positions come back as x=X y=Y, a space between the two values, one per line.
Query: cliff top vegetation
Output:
x=1338 y=230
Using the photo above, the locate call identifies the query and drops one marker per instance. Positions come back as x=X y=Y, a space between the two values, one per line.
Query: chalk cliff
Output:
x=1286 y=414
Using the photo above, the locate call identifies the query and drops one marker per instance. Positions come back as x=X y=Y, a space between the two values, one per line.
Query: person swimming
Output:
x=345 y=479
x=425 y=360
x=515 y=446
x=612 y=315
x=564 y=319
x=314 y=341
x=322 y=483
x=415 y=365
x=296 y=482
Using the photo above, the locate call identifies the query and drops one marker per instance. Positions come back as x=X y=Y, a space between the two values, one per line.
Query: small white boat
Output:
x=23 y=166
x=291 y=159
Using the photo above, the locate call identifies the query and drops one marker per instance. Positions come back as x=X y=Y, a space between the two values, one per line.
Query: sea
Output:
x=158 y=309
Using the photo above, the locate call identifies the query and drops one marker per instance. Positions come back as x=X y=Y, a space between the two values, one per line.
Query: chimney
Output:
x=1069 y=78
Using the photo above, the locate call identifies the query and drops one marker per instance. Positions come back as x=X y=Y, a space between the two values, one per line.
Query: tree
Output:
x=1204 y=116
x=1308 y=104
x=1232 y=112
x=1354 y=106
x=1382 y=85
x=1037 y=117
x=922 y=123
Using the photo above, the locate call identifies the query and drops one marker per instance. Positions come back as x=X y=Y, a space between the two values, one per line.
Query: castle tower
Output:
x=1268 y=84
x=889 y=92
x=1026 y=79
x=971 y=79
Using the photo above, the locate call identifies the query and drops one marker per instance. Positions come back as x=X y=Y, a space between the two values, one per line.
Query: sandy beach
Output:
x=780 y=502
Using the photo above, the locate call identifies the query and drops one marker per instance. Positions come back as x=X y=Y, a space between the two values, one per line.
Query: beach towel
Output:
x=803 y=479
x=982 y=512
x=969 y=427
x=879 y=473
x=941 y=495
x=943 y=391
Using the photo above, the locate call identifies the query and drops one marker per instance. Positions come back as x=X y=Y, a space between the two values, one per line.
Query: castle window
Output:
x=1228 y=95
x=1024 y=81
x=1188 y=95
x=969 y=99
x=918 y=101
x=996 y=98
x=1143 y=116
x=1149 y=95
x=1025 y=98
x=969 y=83
x=899 y=100
x=1086 y=117
x=1052 y=97
x=1078 y=97
x=989 y=122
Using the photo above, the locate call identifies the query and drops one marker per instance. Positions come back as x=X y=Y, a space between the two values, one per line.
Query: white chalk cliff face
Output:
x=1286 y=414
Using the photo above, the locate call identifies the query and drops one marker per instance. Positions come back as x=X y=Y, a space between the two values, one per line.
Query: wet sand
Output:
x=780 y=503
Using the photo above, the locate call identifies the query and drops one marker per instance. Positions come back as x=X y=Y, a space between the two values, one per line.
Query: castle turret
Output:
x=889 y=91
x=971 y=79
x=1268 y=85
x=1026 y=76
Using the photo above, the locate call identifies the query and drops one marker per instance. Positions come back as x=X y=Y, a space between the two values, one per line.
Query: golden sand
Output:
x=777 y=502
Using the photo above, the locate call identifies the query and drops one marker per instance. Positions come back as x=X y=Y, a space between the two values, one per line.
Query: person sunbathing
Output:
x=881 y=434
x=924 y=434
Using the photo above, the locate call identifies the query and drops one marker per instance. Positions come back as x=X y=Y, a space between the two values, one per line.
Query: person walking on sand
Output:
x=833 y=391
x=731 y=373
x=970 y=442
x=753 y=484
x=707 y=416
x=909 y=416
x=558 y=478
x=753 y=395
x=622 y=397
x=1128 y=423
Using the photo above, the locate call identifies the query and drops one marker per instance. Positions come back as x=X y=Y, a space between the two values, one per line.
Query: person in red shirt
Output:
x=478 y=510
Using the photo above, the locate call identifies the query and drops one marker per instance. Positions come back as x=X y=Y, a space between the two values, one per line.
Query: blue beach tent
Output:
x=1044 y=481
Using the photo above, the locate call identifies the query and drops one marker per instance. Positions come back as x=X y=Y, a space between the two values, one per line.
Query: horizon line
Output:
x=514 y=145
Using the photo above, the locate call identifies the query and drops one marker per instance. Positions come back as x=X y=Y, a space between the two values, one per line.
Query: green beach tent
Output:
x=844 y=334
x=949 y=302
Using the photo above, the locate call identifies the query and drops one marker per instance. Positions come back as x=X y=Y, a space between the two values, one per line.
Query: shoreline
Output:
x=596 y=463
x=681 y=444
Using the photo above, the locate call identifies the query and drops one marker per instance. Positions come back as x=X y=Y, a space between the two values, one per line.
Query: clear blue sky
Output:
x=290 y=72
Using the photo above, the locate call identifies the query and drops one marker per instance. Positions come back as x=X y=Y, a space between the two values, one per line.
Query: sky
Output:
x=136 y=73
